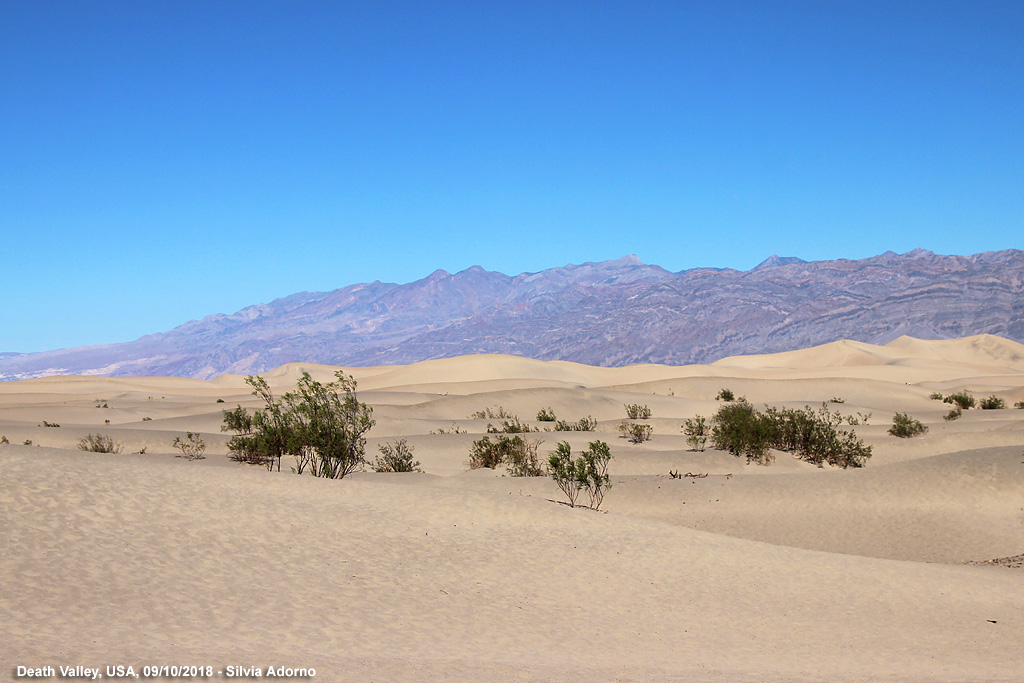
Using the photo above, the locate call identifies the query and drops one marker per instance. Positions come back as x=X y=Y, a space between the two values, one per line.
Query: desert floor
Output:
x=783 y=573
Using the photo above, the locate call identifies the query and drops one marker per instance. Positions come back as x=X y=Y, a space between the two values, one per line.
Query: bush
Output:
x=636 y=432
x=1019 y=404
x=98 y=443
x=589 y=472
x=50 y=424
x=192 y=447
x=545 y=415
x=3 y=439
x=220 y=400
x=322 y=425
x=906 y=427
x=454 y=430
x=488 y=414
x=725 y=395
x=586 y=424
x=963 y=399
x=992 y=403
x=510 y=426
x=953 y=414
x=395 y=457
x=935 y=396
x=635 y=411
x=697 y=431
x=740 y=429
x=518 y=454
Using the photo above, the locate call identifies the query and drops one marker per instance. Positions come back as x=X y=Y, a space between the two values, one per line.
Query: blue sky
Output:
x=161 y=161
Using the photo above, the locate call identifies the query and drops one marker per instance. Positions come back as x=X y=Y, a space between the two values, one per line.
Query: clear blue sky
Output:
x=161 y=161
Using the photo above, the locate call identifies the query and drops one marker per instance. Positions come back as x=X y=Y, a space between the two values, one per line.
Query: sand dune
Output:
x=782 y=573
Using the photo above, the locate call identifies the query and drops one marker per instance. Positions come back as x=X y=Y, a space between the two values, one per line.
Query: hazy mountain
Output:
x=610 y=313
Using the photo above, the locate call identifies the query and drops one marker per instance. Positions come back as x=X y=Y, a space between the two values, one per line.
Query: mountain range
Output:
x=609 y=313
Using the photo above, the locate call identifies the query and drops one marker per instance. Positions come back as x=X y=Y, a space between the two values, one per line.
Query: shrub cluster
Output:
x=546 y=415
x=906 y=427
x=635 y=411
x=396 y=457
x=97 y=443
x=636 y=432
x=993 y=403
x=517 y=454
x=812 y=435
x=589 y=472
x=321 y=425
x=697 y=431
x=511 y=426
x=586 y=424
x=488 y=414
x=962 y=399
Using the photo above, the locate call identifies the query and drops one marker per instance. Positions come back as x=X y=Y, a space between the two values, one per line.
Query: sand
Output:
x=783 y=573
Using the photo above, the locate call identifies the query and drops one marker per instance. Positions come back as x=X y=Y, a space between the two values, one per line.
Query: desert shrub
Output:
x=586 y=424
x=510 y=426
x=963 y=399
x=142 y=451
x=147 y=419
x=220 y=400
x=636 y=432
x=743 y=431
x=322 y=425
x=396 y=457
x=954 y=414
x=3 y=439
x=546 y=415
x=635 y=411
x=1019 y=404
x=488 y=414
x=50 y=424
x=98 y=443
x=589 y=472
x=725 y=395
x=836 y=399
x=697 y=431
x=518 y=454
x=815 y=436
x=906 y=427
x=936 y=396
x=26 y=442
x=191 y=447
x=992 y=403
x=453 y=430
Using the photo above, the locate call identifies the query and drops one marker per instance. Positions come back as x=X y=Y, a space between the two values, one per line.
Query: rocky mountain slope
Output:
x=609 y=313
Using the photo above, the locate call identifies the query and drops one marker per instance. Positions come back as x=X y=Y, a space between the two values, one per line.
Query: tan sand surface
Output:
x=782 y=573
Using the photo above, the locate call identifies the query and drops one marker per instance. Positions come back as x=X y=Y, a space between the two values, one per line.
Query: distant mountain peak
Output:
x=776 y=260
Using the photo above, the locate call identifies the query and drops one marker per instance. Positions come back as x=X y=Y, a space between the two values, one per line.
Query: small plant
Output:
x=636 y=432
x=220 y=400
x=50 y=424
x=586 y=424
x=142 y=451
x=836 y=399
x=147 y=419
x=3 y=439
x=992 y=403
x=906 y=427
x=589 y=472
x=1019 y=405
x=635 y=411
x=725 y=395
x=99 y=443
x=192 y=447
x=26 y=442
x=546 y=415
x=395 y=457
x=697 y=432
x=106 y=422
x=518 y=454
x=510 y=426
x=488 y=414
x=936 y=396
x=953 y=414
x=962 y=399
x=102 y=404
x=453 y=430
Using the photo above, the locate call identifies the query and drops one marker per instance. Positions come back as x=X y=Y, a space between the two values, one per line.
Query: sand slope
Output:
x=784 y=573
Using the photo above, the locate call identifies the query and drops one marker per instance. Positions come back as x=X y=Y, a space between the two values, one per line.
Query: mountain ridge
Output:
x=600 y=313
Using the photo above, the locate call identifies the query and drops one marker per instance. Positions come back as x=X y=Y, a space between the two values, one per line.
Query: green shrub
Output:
x=836 y=399
x=220 y=400
x=98 y=443
x=191 y=447
x=743 y=431
x=1019 y=404
x=963 y=399
x=586 y=424
x=510 y=426
x=3 y=439
x=636 y=432
x=516 y=453
x=147 y=419
x=26 y=442
x=992 y=403
x=953 y=414
x=725 y=395
x=635 y=411
x=697 y=431
x=488 y=414
x=589 y=472
x=322 y=425
x=906 y=427
x=935 y=396
x=396 y=457
x=546 y=415
x=50 y=424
